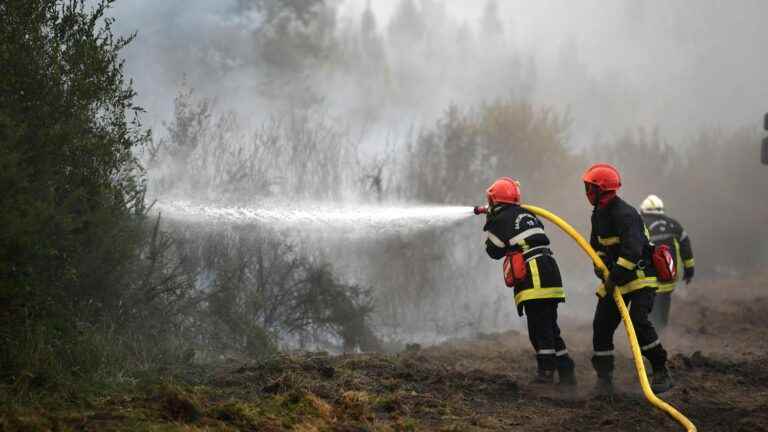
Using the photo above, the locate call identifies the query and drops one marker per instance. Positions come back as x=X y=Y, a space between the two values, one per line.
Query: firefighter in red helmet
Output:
x=621 y=239
x=517 y=235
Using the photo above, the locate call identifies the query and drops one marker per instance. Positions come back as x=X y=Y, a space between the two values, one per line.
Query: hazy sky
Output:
x=681 y=65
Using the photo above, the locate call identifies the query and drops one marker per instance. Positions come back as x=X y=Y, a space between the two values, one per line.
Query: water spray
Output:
x=313 y=218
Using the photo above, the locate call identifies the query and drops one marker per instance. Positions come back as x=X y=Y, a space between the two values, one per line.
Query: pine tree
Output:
x=490 y=24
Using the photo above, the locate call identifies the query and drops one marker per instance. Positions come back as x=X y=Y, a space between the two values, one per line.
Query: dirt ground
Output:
x=719 y=360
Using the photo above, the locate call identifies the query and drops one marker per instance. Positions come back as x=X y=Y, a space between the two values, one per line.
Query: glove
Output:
x=688 y=274
x=617 y=273
x=599 y=273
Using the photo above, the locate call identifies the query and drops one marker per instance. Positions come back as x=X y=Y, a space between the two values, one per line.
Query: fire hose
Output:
x=636 y=354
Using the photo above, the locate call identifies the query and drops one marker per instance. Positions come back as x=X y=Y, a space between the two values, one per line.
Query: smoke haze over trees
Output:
x=432 y=100
x=597 y=59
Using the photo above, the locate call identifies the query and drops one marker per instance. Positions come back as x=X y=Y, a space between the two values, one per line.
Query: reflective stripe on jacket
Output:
x=666 y=230
x=511 y=228
x=621 y=239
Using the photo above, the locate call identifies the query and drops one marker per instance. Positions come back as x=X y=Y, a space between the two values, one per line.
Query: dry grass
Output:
x=478 y=385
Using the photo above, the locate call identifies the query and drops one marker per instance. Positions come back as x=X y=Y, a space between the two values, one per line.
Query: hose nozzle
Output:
x=481 y=210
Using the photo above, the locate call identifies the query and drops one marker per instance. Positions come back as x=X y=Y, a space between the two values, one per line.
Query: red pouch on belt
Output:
x=514 y=269
x=664 y=263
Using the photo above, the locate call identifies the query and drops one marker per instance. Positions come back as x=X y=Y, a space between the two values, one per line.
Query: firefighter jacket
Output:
x=511 y=228
x=621 y=239
x=665 y=230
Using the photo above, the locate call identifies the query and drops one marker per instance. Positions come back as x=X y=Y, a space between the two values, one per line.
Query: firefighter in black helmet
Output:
x=620 y=238
x=668 y=231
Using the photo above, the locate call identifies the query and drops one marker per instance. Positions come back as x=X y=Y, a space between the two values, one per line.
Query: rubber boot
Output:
x=567 y=377
x=604 y=367
x=661 y=380
x=604 y=384
x=566 y=370
x=544 y=376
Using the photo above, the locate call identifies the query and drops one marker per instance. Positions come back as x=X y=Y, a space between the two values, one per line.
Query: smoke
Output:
x=616 y=65
x=381 y=71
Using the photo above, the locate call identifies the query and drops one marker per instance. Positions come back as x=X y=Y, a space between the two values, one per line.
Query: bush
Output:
x=73 y=191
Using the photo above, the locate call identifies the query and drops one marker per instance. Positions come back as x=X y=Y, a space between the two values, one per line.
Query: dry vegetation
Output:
x=477 y=385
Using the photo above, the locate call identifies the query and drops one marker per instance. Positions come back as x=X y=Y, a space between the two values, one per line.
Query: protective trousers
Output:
x=607 y=318
x=544 y=333
x=659 y=316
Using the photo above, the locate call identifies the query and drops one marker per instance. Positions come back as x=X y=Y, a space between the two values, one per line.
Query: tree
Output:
x=372 y=46
x=304 y=10
x=293 y=37
x=407 y=25
x=490 y=23
x=73 y=191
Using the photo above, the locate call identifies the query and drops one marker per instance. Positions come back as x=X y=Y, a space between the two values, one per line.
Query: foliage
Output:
x=73 y=192
x=295 y=35
x=257 y=290
x=209 y=154
x=705 y=186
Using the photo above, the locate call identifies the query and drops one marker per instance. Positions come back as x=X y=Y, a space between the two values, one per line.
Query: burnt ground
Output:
x=717 y=344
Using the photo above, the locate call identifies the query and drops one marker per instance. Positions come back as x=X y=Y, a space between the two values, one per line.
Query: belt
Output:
x=642 y=264
x=536 y=252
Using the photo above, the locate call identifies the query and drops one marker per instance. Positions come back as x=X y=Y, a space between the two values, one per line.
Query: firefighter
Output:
x=620 y=238
x=668 y=231
x=517 y=234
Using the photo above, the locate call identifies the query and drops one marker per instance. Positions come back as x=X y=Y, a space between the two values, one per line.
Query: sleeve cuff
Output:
x=495 y=240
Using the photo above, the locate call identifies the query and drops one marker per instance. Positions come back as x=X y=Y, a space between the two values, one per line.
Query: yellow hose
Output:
x=652 y=398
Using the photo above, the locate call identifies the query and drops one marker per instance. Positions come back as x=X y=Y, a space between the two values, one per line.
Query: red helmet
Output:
x=604 y=176
x=504 y=190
